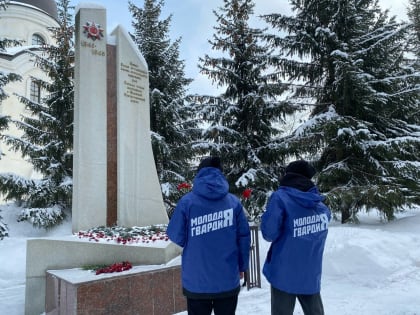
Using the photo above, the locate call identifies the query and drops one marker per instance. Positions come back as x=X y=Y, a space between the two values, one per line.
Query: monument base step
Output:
x=152 y=292
x=67 y=252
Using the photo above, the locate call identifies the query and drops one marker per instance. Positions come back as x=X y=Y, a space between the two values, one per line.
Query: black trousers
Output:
x=283 y=303
x=221 y=306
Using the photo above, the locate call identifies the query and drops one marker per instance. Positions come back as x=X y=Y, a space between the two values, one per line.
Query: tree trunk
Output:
x=345 y=215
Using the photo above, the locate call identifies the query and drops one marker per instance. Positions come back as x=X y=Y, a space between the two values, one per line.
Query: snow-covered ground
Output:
x=370 y=268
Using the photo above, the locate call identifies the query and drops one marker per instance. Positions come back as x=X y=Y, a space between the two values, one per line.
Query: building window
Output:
x=35 y=95
x=37 y=40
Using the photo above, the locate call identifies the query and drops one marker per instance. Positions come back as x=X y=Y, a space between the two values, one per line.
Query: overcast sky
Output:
x=193 y=21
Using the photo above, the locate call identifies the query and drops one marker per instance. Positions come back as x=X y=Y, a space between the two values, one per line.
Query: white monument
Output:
x=90 y=120
x=114 y=174
x=139 y=198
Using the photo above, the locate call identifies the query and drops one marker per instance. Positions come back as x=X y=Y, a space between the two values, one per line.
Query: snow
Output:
x=369 y=268
x=78 y=275
x=12 y=51
x=329 y=115
x=246 y=178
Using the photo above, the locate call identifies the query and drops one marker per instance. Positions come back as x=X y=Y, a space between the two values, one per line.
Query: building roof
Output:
x=48 y=6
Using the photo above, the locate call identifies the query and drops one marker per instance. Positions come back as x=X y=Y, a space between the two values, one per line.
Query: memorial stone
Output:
x=99 y=91
x=114 y=174
x=90 y=120
x=139 y=199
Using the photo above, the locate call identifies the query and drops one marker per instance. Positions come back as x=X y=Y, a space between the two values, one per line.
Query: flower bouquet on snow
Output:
x=116 y=267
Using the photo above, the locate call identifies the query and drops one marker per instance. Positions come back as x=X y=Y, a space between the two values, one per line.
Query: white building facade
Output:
x=26 y=21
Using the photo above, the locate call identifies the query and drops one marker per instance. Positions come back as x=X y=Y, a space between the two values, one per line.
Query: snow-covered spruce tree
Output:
x=414 y=59
x=47 y=140
x=414 y=39
x=362 y=134
x=240 y=122
x=414 y=16
x=5 y=78
x=172 y=128
x=414 y=47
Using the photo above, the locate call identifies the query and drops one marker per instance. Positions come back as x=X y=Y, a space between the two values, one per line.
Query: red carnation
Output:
x=183 y=186
x=247 y=193
x=117 y=267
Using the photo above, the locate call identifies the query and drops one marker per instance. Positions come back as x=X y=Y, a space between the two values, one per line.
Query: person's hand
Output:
x=241 y=275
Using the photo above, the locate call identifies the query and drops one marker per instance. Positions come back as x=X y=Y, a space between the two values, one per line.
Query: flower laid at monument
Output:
x=184 y=187
x=123 y=235
x=247 y=193
x=117 y=267
x=250 y=204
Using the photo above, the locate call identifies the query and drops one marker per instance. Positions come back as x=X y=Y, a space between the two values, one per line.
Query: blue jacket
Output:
x=296 y=222
x=210 y=224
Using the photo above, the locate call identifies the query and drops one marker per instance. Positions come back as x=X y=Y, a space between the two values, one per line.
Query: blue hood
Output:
x=210 y=184
x=306 y=199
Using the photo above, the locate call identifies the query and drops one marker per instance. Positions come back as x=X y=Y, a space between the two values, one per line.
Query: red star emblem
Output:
x=93 y=30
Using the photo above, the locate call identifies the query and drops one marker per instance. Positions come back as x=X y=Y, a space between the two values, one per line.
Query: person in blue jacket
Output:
x=210 y=225
x=296 y=222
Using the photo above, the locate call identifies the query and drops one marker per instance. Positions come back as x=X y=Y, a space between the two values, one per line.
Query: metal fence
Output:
x=253 y=275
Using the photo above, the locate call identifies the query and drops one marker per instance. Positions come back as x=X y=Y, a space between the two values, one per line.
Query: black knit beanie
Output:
x=301 y=167
x=211 y=161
